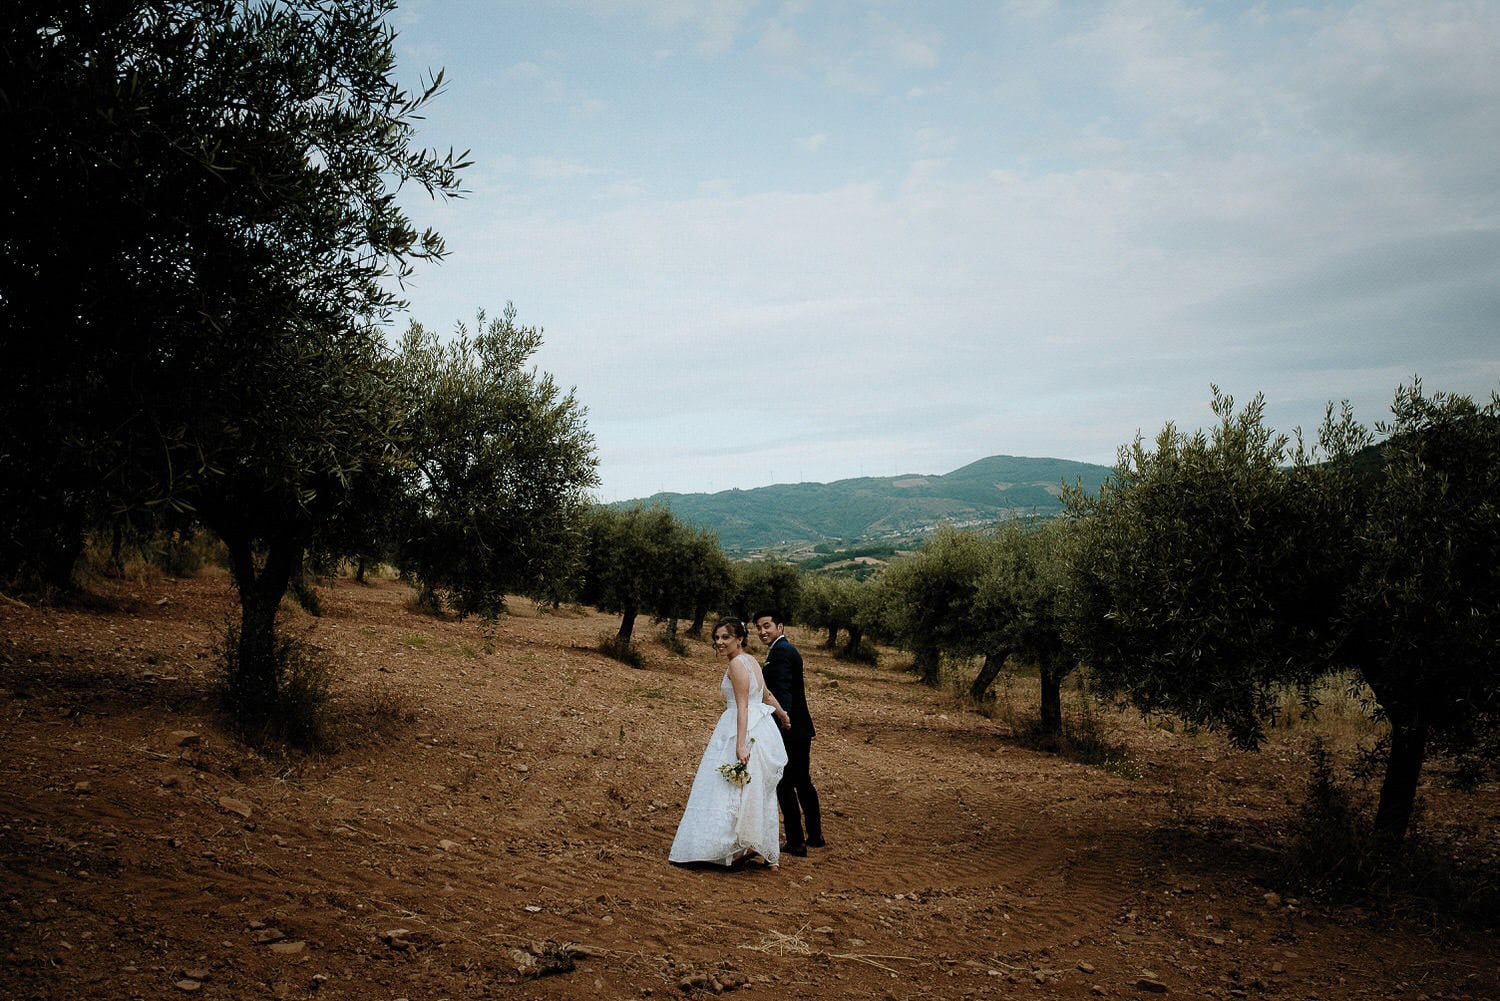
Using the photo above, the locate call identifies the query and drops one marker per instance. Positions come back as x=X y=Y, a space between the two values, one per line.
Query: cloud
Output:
x=556 y=89
x=903 y=46
x=717 y=24
x=553 y=169
x=525 y=71
x=781 y=45
x=1056 y=247
x=931 y=141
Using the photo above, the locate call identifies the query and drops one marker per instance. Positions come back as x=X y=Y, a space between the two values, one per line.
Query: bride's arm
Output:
x=739 y=680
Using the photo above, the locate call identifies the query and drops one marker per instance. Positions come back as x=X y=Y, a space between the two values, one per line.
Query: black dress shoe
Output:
x=816 y=843
x=800 y=850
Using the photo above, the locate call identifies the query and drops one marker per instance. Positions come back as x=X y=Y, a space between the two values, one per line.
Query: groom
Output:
x=795 y=793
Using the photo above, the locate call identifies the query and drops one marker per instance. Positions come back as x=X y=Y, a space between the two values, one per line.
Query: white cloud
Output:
x=780 y=44
x=903 y=46
x=553 y=169
x=1050 y=251
x=846 y=76
x=930 y=141
x=525 y=71
x=716 y=24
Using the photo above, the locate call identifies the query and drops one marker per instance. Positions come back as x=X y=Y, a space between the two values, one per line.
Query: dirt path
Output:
x=517 y=813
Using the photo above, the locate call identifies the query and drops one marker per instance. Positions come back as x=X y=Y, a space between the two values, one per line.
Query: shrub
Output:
x=426 y=601
x=865 y=653
x=1335 y=852
x=297 y=713
x=674 y=643
x=1332 y=848
x=1080 y=740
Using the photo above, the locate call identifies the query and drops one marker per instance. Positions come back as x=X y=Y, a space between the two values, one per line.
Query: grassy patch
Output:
x=1334 y=853
x=1081 y=739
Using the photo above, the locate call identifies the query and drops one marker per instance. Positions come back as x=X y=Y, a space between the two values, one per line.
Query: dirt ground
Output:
x=507 y=835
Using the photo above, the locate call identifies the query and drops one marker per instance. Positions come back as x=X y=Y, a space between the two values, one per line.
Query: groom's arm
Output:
x=775 y=659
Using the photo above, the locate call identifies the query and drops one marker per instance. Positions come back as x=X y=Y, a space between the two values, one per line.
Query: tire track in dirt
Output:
x=530 y=794
x=953 y=825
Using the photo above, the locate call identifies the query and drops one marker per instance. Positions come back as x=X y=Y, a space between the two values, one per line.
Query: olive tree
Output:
x=708 y=578
x=928 y=601
x=1216 y=567
x=502 y=462
x=1420 y=618
x=766 y=586
x=199 y=229
x=637 y=560
x=1020 y=612
x=1200 y=582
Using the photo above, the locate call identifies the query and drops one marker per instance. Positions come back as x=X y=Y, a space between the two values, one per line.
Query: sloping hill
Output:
x=854 y=510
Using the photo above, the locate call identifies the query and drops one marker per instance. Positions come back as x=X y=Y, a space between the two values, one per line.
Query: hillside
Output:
x=502 y=815
x=871 y=507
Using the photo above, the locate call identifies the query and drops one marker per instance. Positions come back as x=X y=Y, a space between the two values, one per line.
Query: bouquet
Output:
x=735 y=773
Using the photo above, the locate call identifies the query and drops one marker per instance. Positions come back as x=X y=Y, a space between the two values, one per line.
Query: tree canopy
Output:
x=502 y=463
x=1196 y=585
x=199 y=232
x=1420 y=617
x=1217 y=567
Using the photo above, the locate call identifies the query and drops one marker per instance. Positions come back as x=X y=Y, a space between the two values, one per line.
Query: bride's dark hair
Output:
x=735 y=627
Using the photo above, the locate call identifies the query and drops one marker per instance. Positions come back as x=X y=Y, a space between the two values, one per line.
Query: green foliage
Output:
x=1019 y=607
x=766 y=586
x=645 y=560
x=1335 y=853
x=1211 y=573
x=202 y=220
x=502 y=460
x=1421 y=612
x=1201 y=574
x=928 y=600
x=200 y=235
x=1333 y=849
x=840 y=604
x=703 y=575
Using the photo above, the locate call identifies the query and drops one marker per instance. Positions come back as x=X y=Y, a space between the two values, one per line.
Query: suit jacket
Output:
x=783 y=671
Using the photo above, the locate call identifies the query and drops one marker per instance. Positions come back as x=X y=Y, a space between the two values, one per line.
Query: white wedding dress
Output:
x=722 y=820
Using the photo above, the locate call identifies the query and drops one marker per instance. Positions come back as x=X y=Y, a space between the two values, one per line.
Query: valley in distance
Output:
x=820 y=525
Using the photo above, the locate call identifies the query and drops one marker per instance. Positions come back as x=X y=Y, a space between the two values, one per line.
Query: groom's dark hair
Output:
x=769 y=613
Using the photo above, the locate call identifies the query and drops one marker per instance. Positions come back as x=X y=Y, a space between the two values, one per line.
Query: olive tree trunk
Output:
x=1051 y=679
x=993 y=664
x=253 y=682
x=1398 y=791
x=627 y=624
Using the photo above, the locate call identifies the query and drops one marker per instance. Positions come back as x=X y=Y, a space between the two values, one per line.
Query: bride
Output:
x=727 y=821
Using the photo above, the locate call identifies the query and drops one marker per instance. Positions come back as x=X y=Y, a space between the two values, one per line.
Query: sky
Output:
x=804 y=241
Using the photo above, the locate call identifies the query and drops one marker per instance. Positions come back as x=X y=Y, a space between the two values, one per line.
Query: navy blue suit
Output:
x=795 y=793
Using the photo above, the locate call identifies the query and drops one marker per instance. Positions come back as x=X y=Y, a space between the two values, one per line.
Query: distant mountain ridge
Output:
x=786 y=515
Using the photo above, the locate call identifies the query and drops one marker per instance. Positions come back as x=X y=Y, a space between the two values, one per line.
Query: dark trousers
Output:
x=795 y=793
